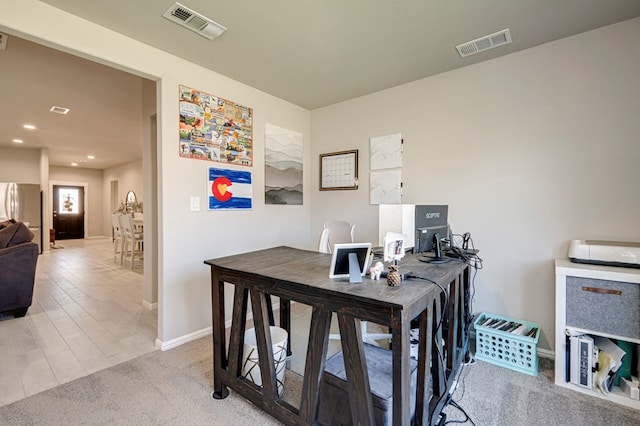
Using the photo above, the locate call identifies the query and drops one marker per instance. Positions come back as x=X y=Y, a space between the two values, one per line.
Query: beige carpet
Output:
x=160 y=388
x=174 y=388
x=496 y=396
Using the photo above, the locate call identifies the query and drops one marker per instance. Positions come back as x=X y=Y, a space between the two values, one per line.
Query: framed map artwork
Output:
x=214 y=129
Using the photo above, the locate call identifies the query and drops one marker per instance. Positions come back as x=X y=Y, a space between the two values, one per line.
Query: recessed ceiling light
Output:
x=59 y=110
x=29 y=126
x=90 y=157
x=18 y=140
x=74 y=164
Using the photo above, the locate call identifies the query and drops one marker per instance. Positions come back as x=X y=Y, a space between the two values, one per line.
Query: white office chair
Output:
x=335 y=232
x=339 y=232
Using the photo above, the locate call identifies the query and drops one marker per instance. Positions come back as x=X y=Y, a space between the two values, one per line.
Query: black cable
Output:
x=470 y=258
x=467 y=418
x=443 y=291
x=474 y=261
x=454 y=403
x=442 y=363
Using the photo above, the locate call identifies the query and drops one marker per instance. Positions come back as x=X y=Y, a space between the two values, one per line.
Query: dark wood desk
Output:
x=303 y=276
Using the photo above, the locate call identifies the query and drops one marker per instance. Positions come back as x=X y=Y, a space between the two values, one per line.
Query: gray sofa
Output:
x=18 y=258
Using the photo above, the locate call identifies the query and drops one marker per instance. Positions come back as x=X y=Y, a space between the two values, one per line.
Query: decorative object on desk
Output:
x=214 y=129
x=282 y=166
x=229 y=189
x=394 y=248
x=339 y=170
x=393 y=276
x=251 y=362
x=376 y=270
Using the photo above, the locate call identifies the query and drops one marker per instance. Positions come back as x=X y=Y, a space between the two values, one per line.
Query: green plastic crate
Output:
x=506 y=349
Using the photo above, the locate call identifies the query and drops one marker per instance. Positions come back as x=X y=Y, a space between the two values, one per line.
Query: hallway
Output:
x=86 y=315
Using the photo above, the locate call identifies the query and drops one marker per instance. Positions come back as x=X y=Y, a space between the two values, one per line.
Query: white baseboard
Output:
x=173 y=343
x=149 y=306
x=546 y=353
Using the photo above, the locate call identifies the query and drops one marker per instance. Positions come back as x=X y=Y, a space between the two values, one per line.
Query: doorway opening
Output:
x=68 y=212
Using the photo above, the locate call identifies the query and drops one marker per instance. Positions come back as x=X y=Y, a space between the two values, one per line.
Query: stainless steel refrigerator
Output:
x=23 y=203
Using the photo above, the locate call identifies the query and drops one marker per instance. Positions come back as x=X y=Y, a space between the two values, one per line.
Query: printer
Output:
x=610 y=253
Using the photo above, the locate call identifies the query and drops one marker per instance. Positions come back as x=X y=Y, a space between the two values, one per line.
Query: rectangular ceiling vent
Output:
x=3 y=41
x=186 y=17
x=484 y=43
x=59 y=110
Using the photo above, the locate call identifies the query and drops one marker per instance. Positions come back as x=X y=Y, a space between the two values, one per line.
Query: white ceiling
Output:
x=104 y=103
x=312 y=53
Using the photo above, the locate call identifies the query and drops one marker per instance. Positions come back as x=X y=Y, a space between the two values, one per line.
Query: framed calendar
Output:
x=339 y=170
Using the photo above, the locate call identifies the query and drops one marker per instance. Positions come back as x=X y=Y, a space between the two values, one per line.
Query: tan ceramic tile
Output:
x=86 y=315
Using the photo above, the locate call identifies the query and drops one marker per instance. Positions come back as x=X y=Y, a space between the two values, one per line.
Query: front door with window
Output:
x=68 y=212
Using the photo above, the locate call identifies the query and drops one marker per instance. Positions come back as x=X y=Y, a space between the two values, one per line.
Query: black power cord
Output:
x=471 y=258
x=467 y=418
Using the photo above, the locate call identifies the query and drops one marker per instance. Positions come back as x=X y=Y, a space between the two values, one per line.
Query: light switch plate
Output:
x=195 y=204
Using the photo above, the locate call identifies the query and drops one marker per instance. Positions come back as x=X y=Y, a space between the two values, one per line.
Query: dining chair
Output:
x=132 y=239
x=117 y=237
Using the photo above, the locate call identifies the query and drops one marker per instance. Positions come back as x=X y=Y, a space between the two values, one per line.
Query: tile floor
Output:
x=86 y=315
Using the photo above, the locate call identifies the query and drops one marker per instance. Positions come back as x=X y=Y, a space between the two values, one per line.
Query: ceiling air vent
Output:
x=186 y=17
x=484 y=43
x=3 y=41
x=59 y=110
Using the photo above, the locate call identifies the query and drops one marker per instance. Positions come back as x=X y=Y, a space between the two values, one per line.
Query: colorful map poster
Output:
x=215 y=129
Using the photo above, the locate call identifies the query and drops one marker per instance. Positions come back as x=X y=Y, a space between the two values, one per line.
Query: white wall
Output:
x=185 y=239
x=529 y=151
x=94 y=207
x=129 y=178
x=20 y=165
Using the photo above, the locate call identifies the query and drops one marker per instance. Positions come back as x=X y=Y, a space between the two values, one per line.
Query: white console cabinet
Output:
x=596 y=300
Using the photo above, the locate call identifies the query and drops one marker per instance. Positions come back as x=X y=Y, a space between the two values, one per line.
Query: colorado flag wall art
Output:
x=229 y=189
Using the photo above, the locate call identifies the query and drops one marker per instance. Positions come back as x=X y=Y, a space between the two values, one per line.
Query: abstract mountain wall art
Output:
x=283 y=166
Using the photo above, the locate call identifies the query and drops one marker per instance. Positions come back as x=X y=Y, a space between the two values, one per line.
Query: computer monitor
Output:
x=431 y=222
x=430 y=239
x=350 y=260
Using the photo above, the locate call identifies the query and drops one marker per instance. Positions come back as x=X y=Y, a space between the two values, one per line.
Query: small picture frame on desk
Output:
x=339 y=170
